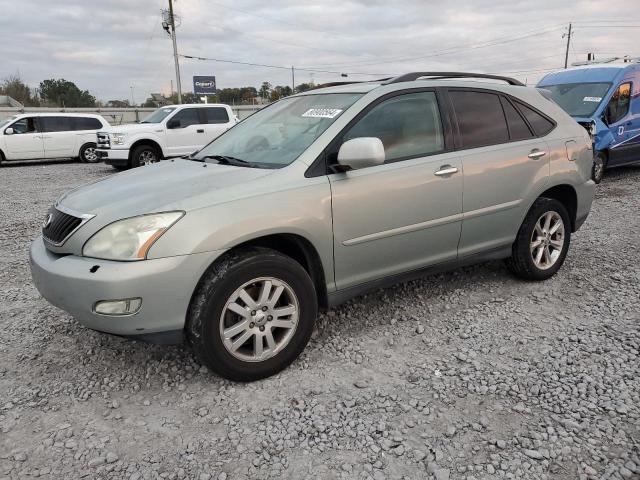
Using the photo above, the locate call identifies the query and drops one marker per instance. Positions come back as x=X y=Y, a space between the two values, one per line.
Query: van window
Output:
x=541 y=125
x=481 y=120
x=56 y=124
x=518 y=128
x=216 y=115
x=85 y=123
x=408 y=125
x=618 y=106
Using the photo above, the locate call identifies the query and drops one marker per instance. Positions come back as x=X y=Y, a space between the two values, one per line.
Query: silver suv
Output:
x=311 y=201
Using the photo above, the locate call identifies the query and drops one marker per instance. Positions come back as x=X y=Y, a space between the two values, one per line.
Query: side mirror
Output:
x=173 y=124
x=9 y=131
x=361 y=153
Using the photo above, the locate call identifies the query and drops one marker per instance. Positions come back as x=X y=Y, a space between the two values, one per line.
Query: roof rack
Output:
x=335 y=84
x=409 y=77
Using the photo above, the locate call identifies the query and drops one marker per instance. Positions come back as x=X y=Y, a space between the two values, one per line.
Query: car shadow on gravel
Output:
x=26 y=163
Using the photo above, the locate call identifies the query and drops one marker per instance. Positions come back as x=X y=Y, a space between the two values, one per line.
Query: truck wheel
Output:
x=542 y=242
x=599 y=164
x=88 y=153
x=144 y=155
x=252 y=314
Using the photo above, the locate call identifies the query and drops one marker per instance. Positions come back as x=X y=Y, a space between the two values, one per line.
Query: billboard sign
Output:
x=204 y=85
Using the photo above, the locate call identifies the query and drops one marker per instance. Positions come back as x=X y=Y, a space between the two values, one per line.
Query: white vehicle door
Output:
x=25 y=142
x=218 y=121
x=185 y=132
x=59 y=138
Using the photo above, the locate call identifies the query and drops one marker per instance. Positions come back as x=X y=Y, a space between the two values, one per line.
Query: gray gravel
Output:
x=467 y=375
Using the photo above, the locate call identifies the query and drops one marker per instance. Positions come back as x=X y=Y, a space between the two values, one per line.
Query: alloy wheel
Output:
x=259 y=319
x=90 y=154
x=547 y=240
x=147 y=157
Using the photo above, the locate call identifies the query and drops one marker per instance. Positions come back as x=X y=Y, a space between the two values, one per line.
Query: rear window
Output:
x=216 y=115
x=518 y=128
x=85 y=123
x=481 y=121
x=540 y=124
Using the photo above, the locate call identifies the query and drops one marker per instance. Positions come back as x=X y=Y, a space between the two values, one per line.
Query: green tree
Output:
x=18 y=90
x=265 y=90
x=187 y=97
x=63 y=93
x=278 y=92
x=303 y=87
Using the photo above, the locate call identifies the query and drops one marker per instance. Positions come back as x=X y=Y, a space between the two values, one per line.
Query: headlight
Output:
x=129 y=239
x=117 y=138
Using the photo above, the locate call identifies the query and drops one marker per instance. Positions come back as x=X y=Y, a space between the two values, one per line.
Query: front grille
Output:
x=59 y=226
x=103 y=140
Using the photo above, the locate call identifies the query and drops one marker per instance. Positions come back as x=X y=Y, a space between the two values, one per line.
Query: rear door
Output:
x=503 y=163
x=59 y=137
x=26 y=141
x=217 y=121
x=185 y=132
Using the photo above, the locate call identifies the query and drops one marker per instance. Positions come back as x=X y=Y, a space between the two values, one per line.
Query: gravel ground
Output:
x=467 y=375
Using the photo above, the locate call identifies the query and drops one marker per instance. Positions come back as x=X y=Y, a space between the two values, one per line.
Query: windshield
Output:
x=7 y=121
x=578 y=99
x=276 y=135
x=159 y=115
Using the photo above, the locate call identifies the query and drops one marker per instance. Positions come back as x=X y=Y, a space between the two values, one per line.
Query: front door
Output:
x=624 y=126
x=26 y=141
x=185 y=132
x=404 y=214
x=59 y=137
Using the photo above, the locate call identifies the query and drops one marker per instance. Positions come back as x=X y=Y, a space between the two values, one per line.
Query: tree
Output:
x=303 y=87
x=187 y=97
x=278 y=92
x=18 y=90
x=265 y=90
x=118 y=104
x=63 y=93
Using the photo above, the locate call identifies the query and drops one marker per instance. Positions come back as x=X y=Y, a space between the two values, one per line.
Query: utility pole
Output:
x=566 y=54
x=175 y=50
x=293 y=81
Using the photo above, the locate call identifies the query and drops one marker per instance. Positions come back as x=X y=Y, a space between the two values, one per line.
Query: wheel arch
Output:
x=145 y=141
x=566 y=195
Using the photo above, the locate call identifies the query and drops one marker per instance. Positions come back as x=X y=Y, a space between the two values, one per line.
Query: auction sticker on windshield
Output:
x=591 y=99
x=322 y=112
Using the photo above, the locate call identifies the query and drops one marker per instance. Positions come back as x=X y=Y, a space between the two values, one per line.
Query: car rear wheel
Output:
x=252 y=314
x=144 y=155
x=88 y=153
x=599 y=164
x=542 y=242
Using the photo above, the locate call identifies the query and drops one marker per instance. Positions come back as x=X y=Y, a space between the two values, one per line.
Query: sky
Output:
x=114 y=48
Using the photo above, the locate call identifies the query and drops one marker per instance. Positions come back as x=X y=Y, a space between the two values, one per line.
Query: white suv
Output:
x=171 y=131
x=31 y=136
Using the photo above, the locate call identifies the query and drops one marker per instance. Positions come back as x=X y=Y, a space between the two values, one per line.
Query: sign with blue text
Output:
x=204 y=85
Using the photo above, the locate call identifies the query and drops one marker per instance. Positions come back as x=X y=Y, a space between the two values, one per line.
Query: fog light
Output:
x=128 y=306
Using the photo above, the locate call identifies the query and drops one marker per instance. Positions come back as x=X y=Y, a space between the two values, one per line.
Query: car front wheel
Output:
x=599 y=164
x=88 y=153
x=252 y=314
x=542 y=242
x=144 y=155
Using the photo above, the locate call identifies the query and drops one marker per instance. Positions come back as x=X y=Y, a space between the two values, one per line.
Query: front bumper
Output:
x=114 y=156
x=165 y=286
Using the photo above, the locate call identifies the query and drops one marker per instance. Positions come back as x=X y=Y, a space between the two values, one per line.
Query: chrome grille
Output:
x=58 y=226
x=103 y=140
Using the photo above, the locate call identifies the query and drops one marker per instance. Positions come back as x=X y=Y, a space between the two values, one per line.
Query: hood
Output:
x=168 y=185
x=134 y=128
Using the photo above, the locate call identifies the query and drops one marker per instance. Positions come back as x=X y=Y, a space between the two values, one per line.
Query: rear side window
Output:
x=518 y=128
x=85 y=123
x=481 y=121
x=216 y=115
x=56 y=124
x=408 y=125
x=541 y=125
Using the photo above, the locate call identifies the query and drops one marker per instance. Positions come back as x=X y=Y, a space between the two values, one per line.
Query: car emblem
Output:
x=47 y=220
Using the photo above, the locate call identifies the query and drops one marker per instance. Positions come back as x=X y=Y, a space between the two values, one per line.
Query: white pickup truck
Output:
x=170 y=131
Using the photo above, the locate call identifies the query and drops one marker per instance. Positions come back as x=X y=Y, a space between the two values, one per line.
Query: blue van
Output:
x=604 y=98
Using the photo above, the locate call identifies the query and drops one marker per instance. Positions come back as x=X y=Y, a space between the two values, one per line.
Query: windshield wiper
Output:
x=226 y=160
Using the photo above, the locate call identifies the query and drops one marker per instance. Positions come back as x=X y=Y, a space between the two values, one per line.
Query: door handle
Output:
x=200 y=130
x=536 y=154
x=446 y=170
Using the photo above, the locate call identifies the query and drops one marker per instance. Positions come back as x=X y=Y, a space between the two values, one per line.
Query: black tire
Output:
x=218 y=285
x=138 y=154
x=120 y=168
x=2 y=159
x=521 y=262
x=599 y=165
x=87 y=153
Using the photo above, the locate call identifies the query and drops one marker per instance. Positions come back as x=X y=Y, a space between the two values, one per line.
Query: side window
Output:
x=618 y=106
x=186 y=117
x=481 y=121
x=518 y=128
x=541 y=125
x=216 y=115
x=408 y=125
x=24 y=125
x=85 y=123
x=56 y=124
